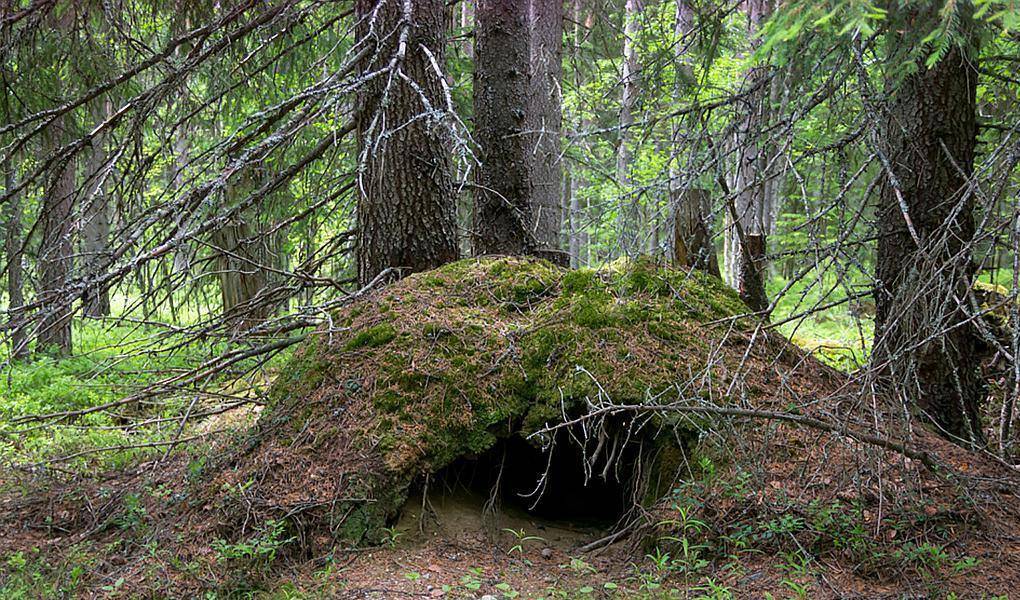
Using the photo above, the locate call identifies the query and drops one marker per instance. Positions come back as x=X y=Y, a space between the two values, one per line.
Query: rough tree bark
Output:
x=95 y=230
x=55 y=249
x=629 y=211
x=407 y=206
x=501 y=86
x=692 y=206
x=15 y=274
x=924 y=344
x=748 y=221
x=545 y=115
x=517 y=126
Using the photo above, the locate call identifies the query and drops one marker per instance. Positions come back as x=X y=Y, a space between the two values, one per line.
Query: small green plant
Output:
x=390 y=536
x=257 y=552
x=133 y=515
x=31 y=576
x=507 y=590
x=799 y=590
x=965 y=564
x=580 y=567
x=472 y=580
x=521 y=538
x=795 y=563
x=660 y=560
x=17 y=561
x=689 y=559
x=196 y=467
x=711 y=590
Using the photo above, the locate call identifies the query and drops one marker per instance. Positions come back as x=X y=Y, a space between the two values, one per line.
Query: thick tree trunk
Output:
x=518 y=68
x=95 y=231
x=545 y=116
x=629 y=211
x=56 y=250
x=13 y=246
x=924 y=344
x=503 y=215
x=407 y=206
x=749 y=226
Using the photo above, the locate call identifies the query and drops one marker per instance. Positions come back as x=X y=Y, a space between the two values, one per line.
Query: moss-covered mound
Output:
x=443 y=364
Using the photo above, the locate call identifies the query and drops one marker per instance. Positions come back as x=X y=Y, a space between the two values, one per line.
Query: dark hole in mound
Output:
x=564 y=495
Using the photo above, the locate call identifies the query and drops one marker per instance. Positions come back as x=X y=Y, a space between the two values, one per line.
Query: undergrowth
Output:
x=110 y=364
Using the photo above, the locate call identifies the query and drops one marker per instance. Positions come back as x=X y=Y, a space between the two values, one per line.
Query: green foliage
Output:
x=28 y=575
x=107 y=367
x=835 y=335
x=257 y=553
x=521 y=538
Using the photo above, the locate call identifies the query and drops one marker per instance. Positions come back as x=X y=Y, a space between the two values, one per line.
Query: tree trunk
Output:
x=924 y=344
x=15 y=274
x=692 y=239
x=502 y=200
x=407 y=206
x=517 y=126
x=545 y=116
x=577 y=217
x=95 y=231
x=748 y=227
x=465 y=203
x=55 y=250
x=242 y=277
x=629 y=211
x=692 y=206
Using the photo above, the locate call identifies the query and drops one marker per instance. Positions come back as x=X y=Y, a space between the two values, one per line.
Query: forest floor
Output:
x=806 y=534
x=459 y=554
x=765 y=509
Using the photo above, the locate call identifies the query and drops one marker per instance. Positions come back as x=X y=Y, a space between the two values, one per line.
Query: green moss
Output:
x=581 y=281
x=593 y=311
x=520 y=282
x=305 y=372
x=643 y=276
x=372 y=337
x=388 y=401
x=497 y=347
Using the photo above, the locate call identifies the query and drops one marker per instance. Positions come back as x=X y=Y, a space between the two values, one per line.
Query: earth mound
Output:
x=532 y=374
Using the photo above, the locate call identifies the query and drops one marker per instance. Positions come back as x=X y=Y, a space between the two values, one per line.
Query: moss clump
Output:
x=481 y=350
x=372 y=337
x=519 y=285
x=301 y=375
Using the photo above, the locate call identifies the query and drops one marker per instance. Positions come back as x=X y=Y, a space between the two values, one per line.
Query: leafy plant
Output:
x=257 y=552
x=521 y=538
